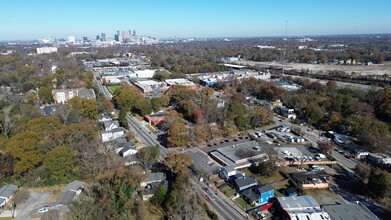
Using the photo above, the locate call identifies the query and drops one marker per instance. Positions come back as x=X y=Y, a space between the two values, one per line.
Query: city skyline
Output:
x=27 y=20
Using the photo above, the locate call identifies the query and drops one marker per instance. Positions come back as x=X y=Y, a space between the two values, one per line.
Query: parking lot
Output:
x=298 y=153
x=284 y=134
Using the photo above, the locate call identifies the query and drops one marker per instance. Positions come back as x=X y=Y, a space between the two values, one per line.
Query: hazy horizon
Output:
x=27 y=20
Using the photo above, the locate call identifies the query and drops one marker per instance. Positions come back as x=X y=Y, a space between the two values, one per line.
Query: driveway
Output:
x=36 y=201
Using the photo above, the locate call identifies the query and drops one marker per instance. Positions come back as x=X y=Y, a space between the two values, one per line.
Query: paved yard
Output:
x=36 y=201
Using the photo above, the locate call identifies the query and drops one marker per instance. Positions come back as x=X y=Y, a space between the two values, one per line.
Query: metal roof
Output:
x=297 y=202
x=349 y=211
x=8 y=190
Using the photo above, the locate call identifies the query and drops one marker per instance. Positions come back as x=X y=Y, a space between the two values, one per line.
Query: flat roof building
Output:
x=301 y=208
x=355 y=211
x=151 y=86
x=181 y=82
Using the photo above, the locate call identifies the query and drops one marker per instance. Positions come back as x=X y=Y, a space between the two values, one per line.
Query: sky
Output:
x=37 y=19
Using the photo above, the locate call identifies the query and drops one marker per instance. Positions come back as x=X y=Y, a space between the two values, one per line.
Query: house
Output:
x=226 y=172
x=153 y=178
x=379 y=159
x=276 y=104
x=110 y=125
x=112 y=134
x=156 y=118
x=150 y=189
x=258 y=195
x=291 y=191
x=300 y=207
x=131 y=159
x=288 y=112
x=6 y=193
x=355 y=211
x=64 y=95
x=105 y=118
x=312 y=180
x=70 y=193
x=48 y=111
x=127 y=150
x=244 y=183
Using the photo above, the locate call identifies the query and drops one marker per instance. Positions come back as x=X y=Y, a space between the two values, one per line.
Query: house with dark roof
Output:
x=6 y=193
x=48 y=110
x=244 y=183
x=312 y=180
x=110 y=125
x=70 y=193
x=152 y=178
x=291 y=191
x=127 y=150
x=355 y=211
x=258 y=195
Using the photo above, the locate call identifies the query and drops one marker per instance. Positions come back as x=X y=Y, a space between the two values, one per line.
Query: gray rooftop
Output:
x=107 y=124
x=246 y=181
x=297 y=202
x=228 y=169
x=349 y=211
x=265 y=188
x=241 y=151
x=75 y=185
x=8 y=190
x=154 y=177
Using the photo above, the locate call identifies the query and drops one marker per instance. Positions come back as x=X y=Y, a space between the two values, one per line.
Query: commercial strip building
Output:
x=355 y=211
x=181 y=82
x=301 y=208
x=43 y=50
x=151 y=86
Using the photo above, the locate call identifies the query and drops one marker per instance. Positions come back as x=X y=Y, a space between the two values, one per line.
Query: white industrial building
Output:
x=42 y=50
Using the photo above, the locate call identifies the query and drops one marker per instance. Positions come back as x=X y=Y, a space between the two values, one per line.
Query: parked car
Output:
x=44 y=209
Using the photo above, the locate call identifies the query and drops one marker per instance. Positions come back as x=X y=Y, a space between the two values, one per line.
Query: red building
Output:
x=156 y=119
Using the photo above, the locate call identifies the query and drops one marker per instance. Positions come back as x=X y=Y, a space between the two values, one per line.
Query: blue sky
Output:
x=34 y=19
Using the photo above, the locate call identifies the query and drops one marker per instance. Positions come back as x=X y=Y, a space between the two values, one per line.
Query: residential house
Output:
x=153 y=178
x=6 y=193
x=127 y=150
x=70 y=193
x=227 y=171
x=276 y=104
x=288 y=112
x=112 y=134
x=258 y=195
x=244 y=183
x=355 y=211
x=312 y=180
x=111 y=125
x=48 y=110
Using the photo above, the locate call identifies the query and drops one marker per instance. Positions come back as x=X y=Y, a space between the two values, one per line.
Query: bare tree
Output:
x=148 y=156
x=362 y=170
x=19 y=198
x=8 y=122
x=325 y=146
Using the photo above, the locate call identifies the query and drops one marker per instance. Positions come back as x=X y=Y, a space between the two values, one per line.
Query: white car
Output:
x=44 y=209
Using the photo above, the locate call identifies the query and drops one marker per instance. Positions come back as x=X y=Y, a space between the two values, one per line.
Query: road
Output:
x=224 y=210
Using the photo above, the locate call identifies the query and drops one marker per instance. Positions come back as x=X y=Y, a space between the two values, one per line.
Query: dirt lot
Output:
x=358 y=69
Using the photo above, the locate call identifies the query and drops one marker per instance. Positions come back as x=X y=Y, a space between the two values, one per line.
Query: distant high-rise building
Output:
x=71 y=39
x=97 y=37
x=117 y=36
x=134 y=32
x=85 y=39
x=103 y=37
x=125 y=36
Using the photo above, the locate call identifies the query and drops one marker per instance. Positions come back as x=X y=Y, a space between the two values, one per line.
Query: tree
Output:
x=6 y=164
x=377 y=182
x=239 y=113
x=325 y=146
x=207 y=91
x=44 y=124
x=86 y=107
x=143 y=106
x=161 y=75
x=19 y=198
x=178 y=162
x=123 y=121
x=314 y=113
x=260 y=116
x=159 y=102
x=23 y=147
x=177 y=135
x=45 y=94
x=125 y=97
x=362 y=170
x=160 y=195
x=108 y=106
x=331 y=84
x=148 y=156
x=60 y=162
x=267 y=169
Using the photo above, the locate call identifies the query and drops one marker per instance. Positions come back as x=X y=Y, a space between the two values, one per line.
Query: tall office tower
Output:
x=97 y=37
x=71 y=39
x=134 y=32
x=125 y=36
x=85 y=39
x=103 y=37
x=117 y=37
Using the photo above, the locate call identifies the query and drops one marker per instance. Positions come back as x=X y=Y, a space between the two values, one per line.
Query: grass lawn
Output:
x=275 y=178
x=247 y=172
x=113 y=88
x=228 y=191
x=242 y=203
x=37 y=215
x=324 y=196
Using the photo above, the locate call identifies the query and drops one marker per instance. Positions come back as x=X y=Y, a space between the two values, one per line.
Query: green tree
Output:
x=160 y=196
x=143 y=106
x=60 y=162
x=314 y=113
x=123 y=121
x=161 y=75
x=44 y=124
x=148 y=156
x=86 y=107
x=125 y=97
x=159 y=102
x=23 y=147
x=378 y=182
x=45 y=94
x=267 y=169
